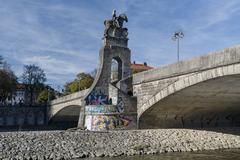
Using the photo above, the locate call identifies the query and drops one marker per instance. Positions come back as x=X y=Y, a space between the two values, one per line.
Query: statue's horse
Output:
x=115 y=23
x=120 y=19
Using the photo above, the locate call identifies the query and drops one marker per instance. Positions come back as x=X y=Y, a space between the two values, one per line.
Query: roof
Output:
x=140 y=67
x=21 y=86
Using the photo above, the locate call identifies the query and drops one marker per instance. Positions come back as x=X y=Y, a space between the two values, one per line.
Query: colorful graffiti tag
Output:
x=100 y=109
x=102 y=115
x=120 y=105
x=103 y=122
x=97 y=98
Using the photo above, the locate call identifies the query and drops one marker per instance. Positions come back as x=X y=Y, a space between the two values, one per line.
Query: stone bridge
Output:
x=201 y=92
x=67 y=108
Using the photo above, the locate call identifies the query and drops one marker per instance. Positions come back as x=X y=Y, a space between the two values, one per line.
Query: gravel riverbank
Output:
x=81 y=144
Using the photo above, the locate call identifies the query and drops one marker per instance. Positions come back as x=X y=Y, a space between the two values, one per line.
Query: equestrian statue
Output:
x=114 y=27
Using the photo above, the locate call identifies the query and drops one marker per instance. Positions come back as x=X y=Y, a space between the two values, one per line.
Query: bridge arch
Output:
x=116 y=69
x=184 y=83
x=67 y=116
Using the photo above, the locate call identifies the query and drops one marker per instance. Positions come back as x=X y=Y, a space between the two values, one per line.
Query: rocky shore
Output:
x=82 y=144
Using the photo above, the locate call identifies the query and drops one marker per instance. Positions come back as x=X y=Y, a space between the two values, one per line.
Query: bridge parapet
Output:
x=70 y=97
x=74 y=101
x=215 y=59
x=149 y=83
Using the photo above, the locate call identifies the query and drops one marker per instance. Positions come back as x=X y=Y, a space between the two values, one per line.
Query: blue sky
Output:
x=64 y=36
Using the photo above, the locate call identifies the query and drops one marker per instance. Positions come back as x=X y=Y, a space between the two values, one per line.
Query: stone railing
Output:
x=70 y=97
x=212 y=60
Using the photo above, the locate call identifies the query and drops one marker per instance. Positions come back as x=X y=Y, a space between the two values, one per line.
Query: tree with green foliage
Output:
x=33 y=77
x=8 y=82
x=85 y=80
x=82 y=81
x=46 y=95
x=71 y=87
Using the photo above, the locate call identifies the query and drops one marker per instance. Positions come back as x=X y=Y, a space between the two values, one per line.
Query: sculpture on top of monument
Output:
x=114 y=27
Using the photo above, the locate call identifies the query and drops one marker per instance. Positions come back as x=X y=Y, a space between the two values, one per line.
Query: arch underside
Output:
x=212 y=103
x=67 y=114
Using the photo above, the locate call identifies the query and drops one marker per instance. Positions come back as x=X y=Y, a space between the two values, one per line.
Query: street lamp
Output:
x=48 y=90
x=177 y=36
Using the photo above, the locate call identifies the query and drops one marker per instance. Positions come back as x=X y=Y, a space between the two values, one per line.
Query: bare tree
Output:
x=33 y=77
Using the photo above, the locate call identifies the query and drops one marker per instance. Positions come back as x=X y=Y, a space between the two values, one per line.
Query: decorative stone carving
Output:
x=114 y=27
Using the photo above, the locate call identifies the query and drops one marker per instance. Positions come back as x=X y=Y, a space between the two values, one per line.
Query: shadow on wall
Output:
x=218 y=122
x=22 y=117
x=65 y=118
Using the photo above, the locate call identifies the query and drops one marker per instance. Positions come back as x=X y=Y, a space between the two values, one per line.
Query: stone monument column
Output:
x=105 y=102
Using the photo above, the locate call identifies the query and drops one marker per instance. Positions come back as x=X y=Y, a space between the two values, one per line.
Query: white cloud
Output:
x=64 y=37
x=52 y=65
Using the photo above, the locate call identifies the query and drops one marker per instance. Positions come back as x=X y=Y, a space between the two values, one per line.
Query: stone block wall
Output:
x=145 y=91
x=22 y=116
x=148 y=83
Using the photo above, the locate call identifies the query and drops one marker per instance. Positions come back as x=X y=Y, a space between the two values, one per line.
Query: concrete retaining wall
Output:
x=22 y=116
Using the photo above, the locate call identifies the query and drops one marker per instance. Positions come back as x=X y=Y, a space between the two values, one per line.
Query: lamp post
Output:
x=48 y=92
x=177 y=36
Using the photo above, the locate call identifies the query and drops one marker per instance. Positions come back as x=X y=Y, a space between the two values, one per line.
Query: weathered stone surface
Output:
x=224 y=57
x=23 y=116
x=166 y=96
x=67 y=108
x=81 y=144
x=104 y=90
x=192 y=93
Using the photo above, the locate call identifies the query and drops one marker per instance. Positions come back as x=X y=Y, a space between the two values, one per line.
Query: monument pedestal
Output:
x=107 y=106
x=108 y=117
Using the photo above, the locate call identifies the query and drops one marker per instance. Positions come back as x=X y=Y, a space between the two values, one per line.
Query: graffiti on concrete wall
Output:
x=102 y=115
x=100 y=109
x=104 y=122
x=103 y=108
x=120 y=105
x=108 y=122
x=97 y=98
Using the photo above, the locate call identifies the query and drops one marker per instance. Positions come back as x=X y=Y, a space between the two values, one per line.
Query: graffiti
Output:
x=125 y=120
x=101 y=109
x=104 y=122
x=102 y=115
x=97 y=98
x=120 y=105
